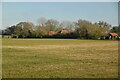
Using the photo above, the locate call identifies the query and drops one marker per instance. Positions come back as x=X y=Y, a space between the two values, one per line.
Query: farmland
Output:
x=59 y=58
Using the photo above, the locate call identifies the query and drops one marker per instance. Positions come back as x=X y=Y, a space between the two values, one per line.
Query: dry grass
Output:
x=59 y=58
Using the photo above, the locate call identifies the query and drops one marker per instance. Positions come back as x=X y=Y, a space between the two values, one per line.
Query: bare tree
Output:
x=52 y=24
x=67 y=25
x=41 y=21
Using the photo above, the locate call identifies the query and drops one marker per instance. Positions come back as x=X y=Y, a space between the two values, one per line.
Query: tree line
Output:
x=82 y=29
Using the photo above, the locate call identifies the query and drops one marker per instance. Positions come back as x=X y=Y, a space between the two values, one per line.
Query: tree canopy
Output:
x=81 y=29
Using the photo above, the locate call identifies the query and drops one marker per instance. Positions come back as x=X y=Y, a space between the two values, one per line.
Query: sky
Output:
x=60 y=0
x=15 y=12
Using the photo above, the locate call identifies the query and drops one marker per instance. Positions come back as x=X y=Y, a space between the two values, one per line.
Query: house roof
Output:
x=52 y=32
x=114 y=34
x=64 y=31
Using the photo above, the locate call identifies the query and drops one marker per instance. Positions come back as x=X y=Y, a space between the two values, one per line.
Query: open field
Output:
x=59 y=58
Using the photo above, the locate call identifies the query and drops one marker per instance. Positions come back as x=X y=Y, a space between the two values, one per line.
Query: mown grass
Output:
x=60 y=58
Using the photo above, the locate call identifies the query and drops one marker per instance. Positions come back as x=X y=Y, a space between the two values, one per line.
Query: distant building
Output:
x=113 y=36
x=52 y=33
x=64 y=31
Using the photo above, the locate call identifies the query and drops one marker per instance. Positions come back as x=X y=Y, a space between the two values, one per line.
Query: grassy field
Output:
x=59 y=58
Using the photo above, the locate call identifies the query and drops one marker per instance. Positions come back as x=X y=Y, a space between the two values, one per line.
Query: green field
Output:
x=59 y=58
